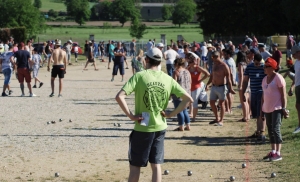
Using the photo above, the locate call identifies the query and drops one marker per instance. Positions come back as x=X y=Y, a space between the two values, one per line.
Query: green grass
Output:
x=119 y=34
x=56 y=6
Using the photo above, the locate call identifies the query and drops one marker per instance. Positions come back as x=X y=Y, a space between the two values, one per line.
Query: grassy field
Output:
x=55 y=5
x=190 y=33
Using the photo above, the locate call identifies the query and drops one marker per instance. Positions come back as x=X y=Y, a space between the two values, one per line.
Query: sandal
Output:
x=178 y=129
x=185 y=128
x=242 y=120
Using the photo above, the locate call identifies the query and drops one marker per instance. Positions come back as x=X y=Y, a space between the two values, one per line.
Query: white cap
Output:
x=160 y=45
x=155 y=54
x=70 y=41
x=1 y=46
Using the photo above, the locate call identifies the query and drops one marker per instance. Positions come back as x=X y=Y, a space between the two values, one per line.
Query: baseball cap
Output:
x=295 y=49
x=253 y=51
x=271 y=62
x=70 y=41
x=160 y=45
x=155 y=54
x=289 y=62
x=275 y=45
x=261 y=45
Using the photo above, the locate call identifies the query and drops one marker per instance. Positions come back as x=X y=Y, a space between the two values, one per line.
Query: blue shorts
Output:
x=256 y=103
x=146 y=146
x=204 y=58
x=7 y=75
x=118 y=66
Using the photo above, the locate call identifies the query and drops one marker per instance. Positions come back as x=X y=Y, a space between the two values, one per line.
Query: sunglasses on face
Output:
x=267 y=66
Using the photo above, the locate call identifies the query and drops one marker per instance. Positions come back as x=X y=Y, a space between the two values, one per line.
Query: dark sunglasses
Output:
x=267 y=66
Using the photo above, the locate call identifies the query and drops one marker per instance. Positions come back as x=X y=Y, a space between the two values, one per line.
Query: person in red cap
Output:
x=273 y=107
x=291 y=69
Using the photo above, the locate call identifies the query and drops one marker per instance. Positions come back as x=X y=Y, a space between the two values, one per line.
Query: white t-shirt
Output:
x=181 y=53
x=149 y=46
x=76 y=49
x=195 y=55
x=203 y=51
x=231 y=64
x=297 y=72
x=265 y=55
x=170 y=56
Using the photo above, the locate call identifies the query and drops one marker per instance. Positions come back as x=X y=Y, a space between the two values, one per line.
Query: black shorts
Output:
x=118 y=66
x=146 y=146
x=58 y=70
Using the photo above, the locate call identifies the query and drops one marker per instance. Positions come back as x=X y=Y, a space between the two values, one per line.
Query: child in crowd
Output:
x=36 y=60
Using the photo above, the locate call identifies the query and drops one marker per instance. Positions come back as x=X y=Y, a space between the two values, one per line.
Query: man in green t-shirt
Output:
x=152 y=90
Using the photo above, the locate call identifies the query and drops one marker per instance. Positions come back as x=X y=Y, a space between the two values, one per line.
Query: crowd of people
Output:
x=254 y=70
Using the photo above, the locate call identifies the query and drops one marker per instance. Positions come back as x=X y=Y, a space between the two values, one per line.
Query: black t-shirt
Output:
x=47 y=50
x=119 y=58
x=107 y=47
x=198 y=54
x=86 y=47
x=22 y=58
x=292 y=69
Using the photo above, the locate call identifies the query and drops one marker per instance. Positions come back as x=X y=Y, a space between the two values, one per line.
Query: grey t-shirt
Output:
x=132 y=45
x=265 y=55
x=231 y=64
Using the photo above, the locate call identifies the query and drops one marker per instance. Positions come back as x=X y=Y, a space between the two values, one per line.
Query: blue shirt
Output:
x=6 y=60
x=95 y=47
x=256 y=75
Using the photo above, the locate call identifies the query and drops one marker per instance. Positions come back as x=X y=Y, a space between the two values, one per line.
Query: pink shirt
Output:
x=15 y=49
x=272 y=97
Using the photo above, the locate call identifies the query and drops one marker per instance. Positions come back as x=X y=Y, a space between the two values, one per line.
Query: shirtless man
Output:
x=219 y=77
x=59 y=68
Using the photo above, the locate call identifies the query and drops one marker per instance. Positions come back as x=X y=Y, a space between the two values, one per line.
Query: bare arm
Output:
x=120 y=98
x=65 y=61
x=186 y=99
x=228 y=76
x=241 y=75
x=205 y=72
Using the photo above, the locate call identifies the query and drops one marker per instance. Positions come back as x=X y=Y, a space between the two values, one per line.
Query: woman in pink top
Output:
x=274 y=107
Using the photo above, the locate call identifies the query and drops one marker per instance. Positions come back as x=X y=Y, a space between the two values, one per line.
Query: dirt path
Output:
x=113 y=23
x=91 y=148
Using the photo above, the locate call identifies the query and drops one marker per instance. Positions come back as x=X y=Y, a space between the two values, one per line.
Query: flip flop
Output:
x=177 y=129
x=213 y=122
x=185 y=128
x=242 y=120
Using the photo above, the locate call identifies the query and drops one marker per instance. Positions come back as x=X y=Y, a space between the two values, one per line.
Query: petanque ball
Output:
x=60 y=120
x=189 y=173
x=48 y=122
x=115 y=124
x=232 y=178
x=119 y=125
x=70 y=120
x=56 y=174
x=244 y=165
x=273 y=175
x=166 y=172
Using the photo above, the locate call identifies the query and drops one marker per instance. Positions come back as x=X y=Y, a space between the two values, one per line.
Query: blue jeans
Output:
x=7 y=75
x=183 y=116
x=170 y=69
x=256 y=103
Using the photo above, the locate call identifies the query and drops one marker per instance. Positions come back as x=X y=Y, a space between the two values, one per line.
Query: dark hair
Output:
x=257 y=57
x=229 y=52
x=153 y=62
x=241 y=57
x=185 y=46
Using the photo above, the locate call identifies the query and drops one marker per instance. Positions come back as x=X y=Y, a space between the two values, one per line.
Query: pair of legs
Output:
x=69 y=58
x=170 y=69
x=7 y=76
x=144 y=147
x=182 y=117
x=57 y=70
x=135 y=171
x=118 y=66
x=297 y=93
x=36 y=79
x=60 y=85
x=76 y=56
x=218 y=92
x=255 y=109
x=245 y=106
x=110 y=58
x=24 y=74
x=228 y=103
x=89 y=61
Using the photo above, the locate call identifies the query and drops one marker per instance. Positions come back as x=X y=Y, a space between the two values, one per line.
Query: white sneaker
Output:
x=32 y=95
x=23 y=95
x=297 y=130
x=59 y=95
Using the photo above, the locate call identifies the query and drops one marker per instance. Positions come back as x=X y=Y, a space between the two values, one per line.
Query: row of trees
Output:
x=240 y=17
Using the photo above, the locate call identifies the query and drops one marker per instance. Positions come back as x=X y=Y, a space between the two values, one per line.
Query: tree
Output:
x=167 y=11
x=18 y=13
x=124 y=10
x=184 y=12
x=53 y=13
x=79 y=9
x=37 y=4
x=102 y=11
x=137 y=29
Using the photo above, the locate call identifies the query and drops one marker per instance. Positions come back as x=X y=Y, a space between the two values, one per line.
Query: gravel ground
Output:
x=91 y=148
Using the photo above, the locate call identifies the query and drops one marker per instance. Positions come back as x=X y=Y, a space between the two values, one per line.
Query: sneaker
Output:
x=127 y=68
x=4 y=94
x=204 y=105
x=59 y=95
x=112 y=80
x=34 y=86
x=297 y=130
x=213 y=122
x=218 y=124
x=10 y=92
x=255 y=135
x=261 y=137
x=41 y=84
x=51 y=95
x=32 y=95
x=268 y=157
x=275 y=157
x=23 y=95
x=122 y=80
x=239 y=106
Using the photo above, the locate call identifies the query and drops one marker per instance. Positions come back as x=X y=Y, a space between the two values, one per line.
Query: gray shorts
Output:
x=218 y=92
x=146 y=146
x=297 y=93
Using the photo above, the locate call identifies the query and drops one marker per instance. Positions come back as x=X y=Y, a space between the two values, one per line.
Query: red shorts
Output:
x=24 y=73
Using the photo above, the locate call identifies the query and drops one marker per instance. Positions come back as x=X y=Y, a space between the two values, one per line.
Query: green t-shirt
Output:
x=152 y=92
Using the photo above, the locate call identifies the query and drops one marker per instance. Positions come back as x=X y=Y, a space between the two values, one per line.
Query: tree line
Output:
x=240 y=17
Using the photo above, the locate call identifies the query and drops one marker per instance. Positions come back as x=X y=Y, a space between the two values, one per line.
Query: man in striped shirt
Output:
x=255 y=72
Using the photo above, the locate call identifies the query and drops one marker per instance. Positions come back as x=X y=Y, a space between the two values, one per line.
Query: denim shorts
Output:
x=256 y=103
x=7 y=75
